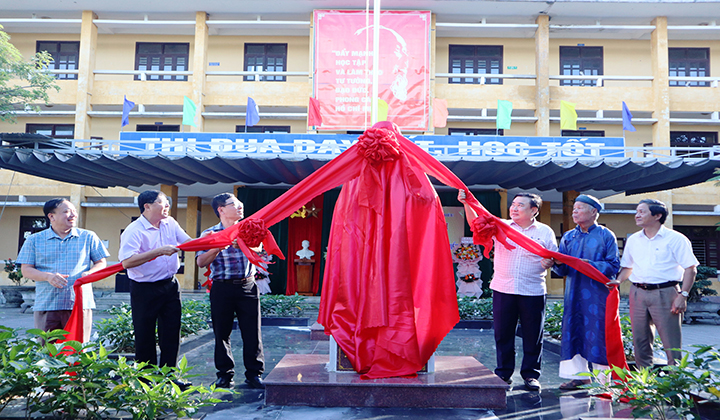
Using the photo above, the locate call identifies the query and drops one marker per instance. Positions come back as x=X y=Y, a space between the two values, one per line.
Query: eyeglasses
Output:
x=233 y=204
x=164 y=203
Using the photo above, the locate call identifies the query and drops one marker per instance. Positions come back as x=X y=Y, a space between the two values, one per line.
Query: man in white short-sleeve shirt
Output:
x=661 y=266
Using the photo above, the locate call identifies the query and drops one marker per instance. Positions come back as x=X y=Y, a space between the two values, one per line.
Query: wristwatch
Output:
x=684 y=293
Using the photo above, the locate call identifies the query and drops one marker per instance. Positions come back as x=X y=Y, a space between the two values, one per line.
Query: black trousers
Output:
x=228 y=300
x=530 y=311
x=156 y=303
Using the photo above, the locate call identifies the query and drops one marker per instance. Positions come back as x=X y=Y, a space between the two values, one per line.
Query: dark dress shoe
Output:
x=223 y=382
x=255 y=382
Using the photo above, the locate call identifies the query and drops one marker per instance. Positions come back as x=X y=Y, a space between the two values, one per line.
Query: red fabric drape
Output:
x=384 y=225
x=388 y=297
x=300 y=229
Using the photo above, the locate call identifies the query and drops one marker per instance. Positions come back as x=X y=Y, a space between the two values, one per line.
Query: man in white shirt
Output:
x=657 y=260
x=519 y=290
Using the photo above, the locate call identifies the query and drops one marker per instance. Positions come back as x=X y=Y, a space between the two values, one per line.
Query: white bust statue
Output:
x=305 y=252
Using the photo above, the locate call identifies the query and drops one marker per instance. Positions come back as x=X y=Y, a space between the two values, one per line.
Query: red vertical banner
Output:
x=343 y=68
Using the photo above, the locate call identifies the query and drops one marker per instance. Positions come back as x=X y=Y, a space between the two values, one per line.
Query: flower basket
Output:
x=467 y=255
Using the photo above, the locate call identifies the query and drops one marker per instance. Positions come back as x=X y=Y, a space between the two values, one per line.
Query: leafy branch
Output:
x=22 y=84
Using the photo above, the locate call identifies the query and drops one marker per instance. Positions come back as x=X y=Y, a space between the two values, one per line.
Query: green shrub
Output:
x=282 y=305
x=702 y=286
x=553 y=327
x=553 y=320
x=117 y=332
x=85 y=383
x=668 y=392
x=474 y=308
x=195 y=316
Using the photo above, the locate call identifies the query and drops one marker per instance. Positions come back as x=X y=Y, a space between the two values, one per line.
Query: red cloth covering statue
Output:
x=388 y=297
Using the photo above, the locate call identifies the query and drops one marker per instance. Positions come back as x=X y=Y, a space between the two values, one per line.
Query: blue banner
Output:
x=329 y=145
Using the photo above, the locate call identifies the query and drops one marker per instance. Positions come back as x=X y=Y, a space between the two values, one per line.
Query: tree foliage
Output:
x=23 y=84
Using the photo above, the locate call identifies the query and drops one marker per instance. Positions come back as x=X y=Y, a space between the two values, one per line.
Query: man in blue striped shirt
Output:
x=233 y=293
x=54 y=258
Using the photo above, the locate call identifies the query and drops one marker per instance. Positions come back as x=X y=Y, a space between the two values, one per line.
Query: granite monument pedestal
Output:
x=458 y=382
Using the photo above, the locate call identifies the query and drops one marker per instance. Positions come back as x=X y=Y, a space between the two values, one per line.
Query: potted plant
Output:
x=16 y=294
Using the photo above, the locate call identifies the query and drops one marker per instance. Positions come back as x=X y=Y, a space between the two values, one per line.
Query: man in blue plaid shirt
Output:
x=54 y=258
x=233 y=293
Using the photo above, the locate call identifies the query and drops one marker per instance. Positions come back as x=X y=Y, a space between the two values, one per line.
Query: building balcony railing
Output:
x=143 y=74
x=600 y=80
x=224 y=87
x=687 y=80
x=483 y=77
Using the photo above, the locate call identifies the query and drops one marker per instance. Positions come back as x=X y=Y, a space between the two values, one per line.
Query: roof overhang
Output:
x=205 y=174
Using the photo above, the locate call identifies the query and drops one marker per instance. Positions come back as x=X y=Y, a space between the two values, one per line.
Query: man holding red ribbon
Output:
x=56 y=258
x=583 y=327
x=147 y=250
x=233 y=293
x=519 y=290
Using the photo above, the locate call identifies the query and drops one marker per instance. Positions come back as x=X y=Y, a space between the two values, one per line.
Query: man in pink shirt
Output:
x=147 y=250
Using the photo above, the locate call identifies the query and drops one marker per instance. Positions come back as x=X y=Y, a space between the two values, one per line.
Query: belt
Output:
x=171 y=278
x=242 y=280
x=653 y=286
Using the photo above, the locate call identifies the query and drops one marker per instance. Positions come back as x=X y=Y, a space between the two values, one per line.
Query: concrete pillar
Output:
x=667 y=198
x=171 y=192
x=199 y=69
x=544 y=216
x=661 y=91
x=568 y=202
x=86 y=66
x=503 y=204
x=542 y=71
x=77 y=196
x=192 y=227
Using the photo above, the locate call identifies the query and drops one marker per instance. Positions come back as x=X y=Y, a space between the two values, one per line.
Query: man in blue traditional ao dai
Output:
x=583 y=329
